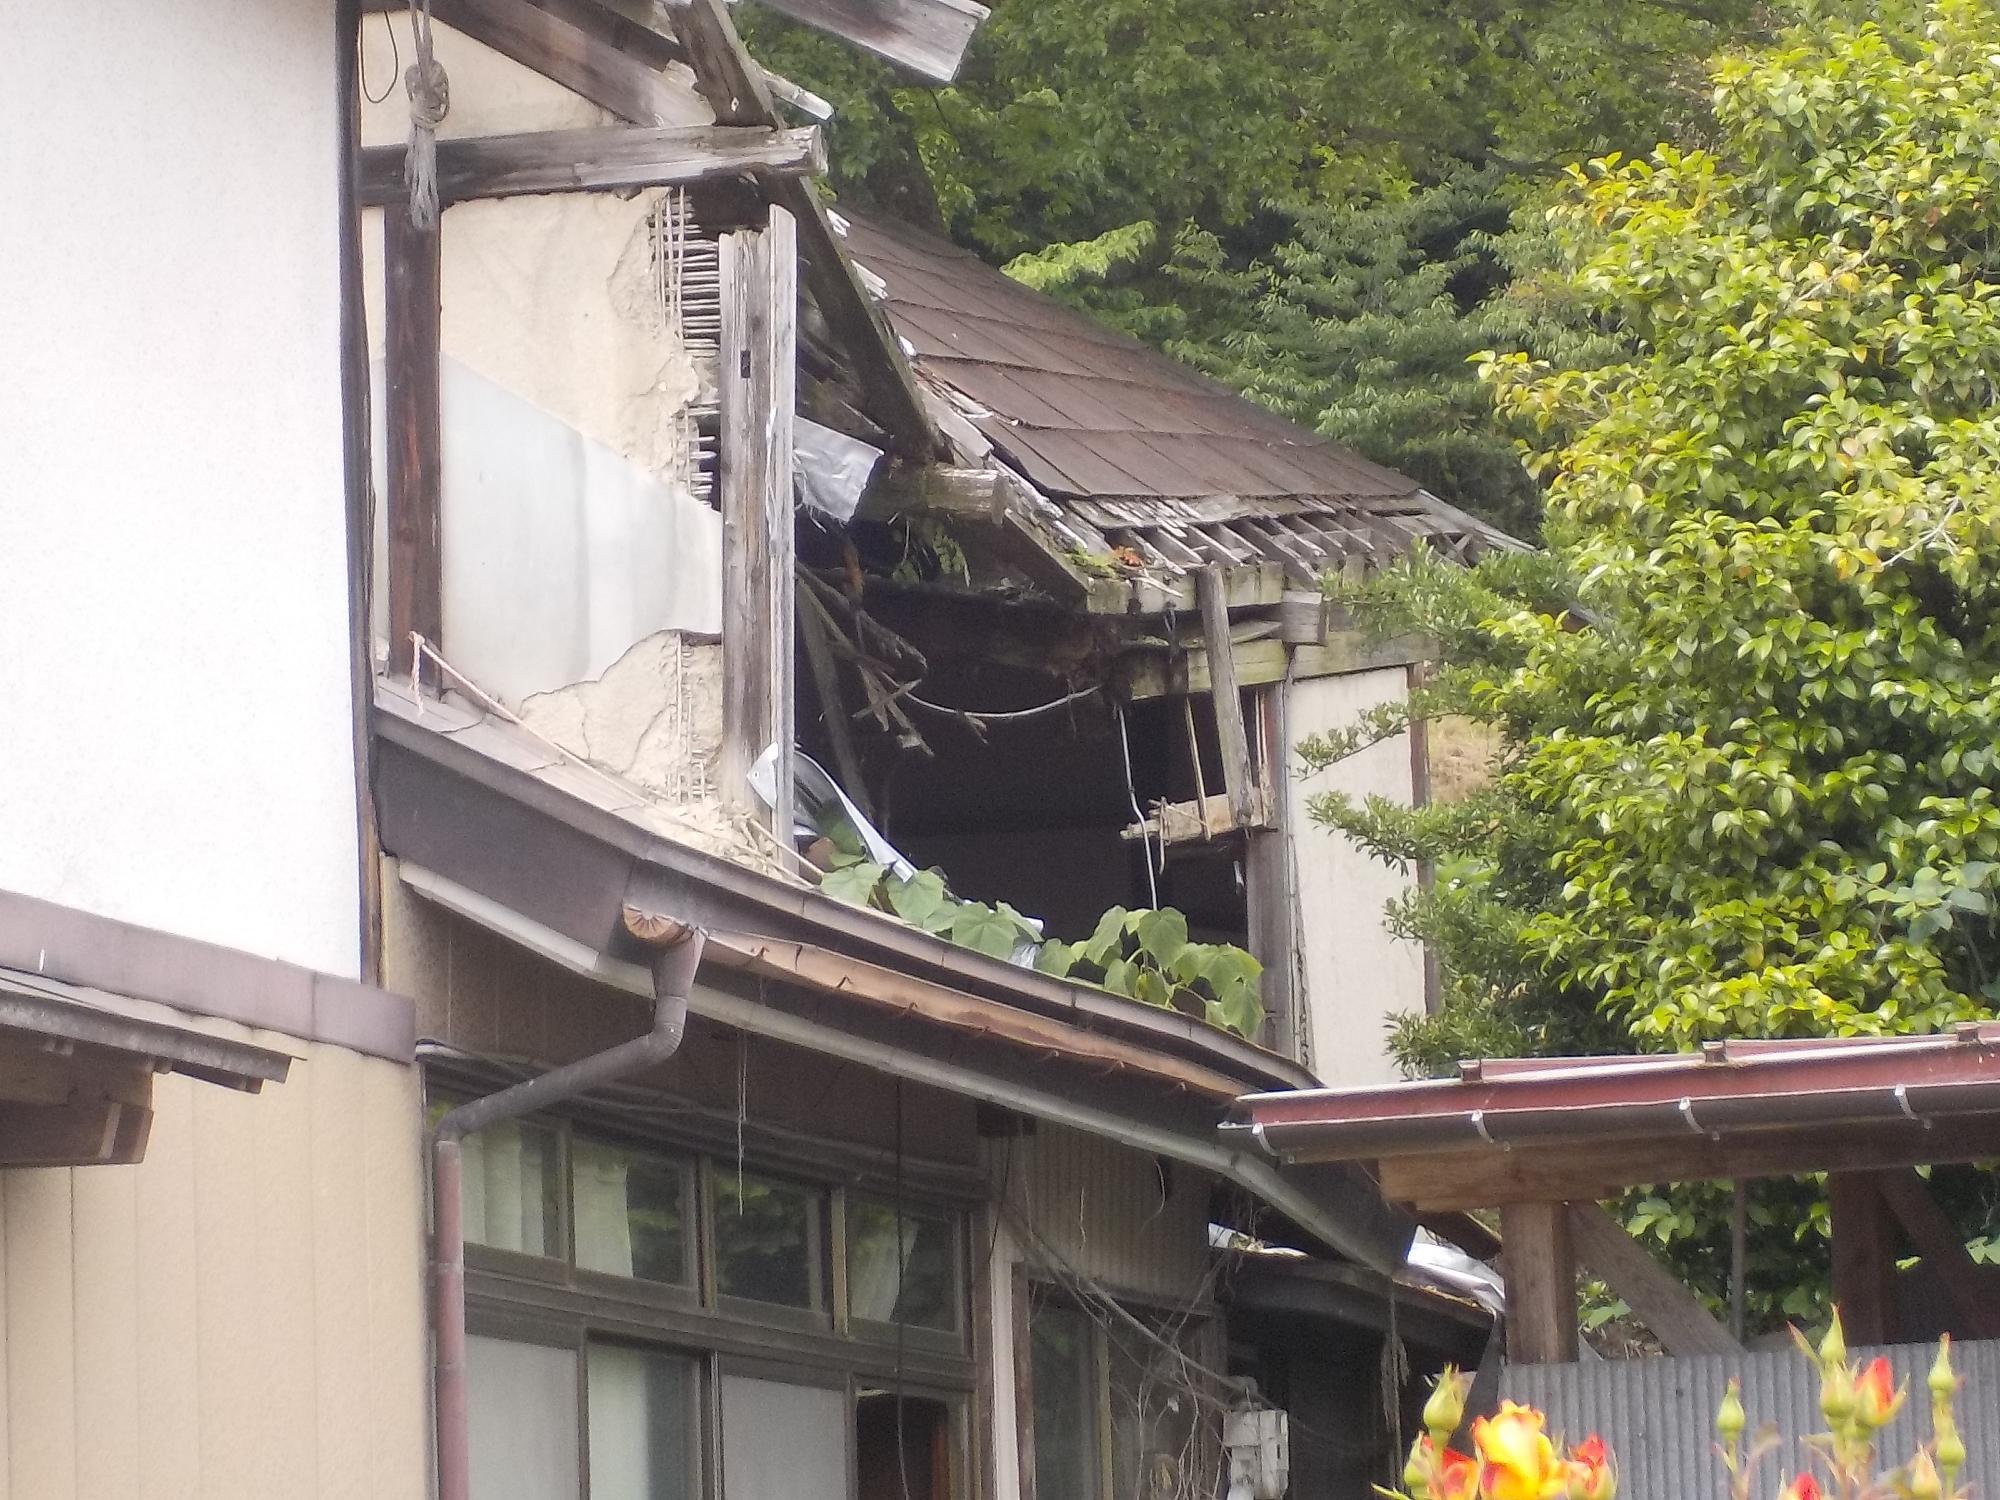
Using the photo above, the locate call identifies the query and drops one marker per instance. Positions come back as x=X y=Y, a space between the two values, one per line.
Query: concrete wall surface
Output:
x=175 y=700
x=1357 y=975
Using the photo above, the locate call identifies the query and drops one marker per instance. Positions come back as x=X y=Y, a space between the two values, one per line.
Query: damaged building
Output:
x=716 y=833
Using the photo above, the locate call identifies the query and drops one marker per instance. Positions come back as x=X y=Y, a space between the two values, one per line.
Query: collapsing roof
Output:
x=1145 y=460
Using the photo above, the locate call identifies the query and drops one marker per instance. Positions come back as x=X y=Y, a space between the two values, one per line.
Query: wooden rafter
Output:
x=597 y=158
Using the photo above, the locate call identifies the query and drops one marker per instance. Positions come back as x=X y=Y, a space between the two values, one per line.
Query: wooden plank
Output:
x=758 y=365
x=1540 y=1267
x=1657 y=1298
x=929 y=37
x=1267 y=881
x=1147 y=673
x=82 y=1132
x=935 y=489
x=1239 y=772
x=1864 y=1257
x=412 y=313
x=1485 y=1177
x=596 y=158
x=812 y=630
x=739 y=93
x=1024 y=1386
x=1193 y=821
x=1943 y=1250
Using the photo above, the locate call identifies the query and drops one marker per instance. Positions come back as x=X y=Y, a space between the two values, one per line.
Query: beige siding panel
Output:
x=392 y=1138
x=340 y=1279
x=234 y=1342
x=1117 y=1216
x=41 y=1345
x=169 y=1414
x=106 y=1230
x=240 y=1317
x=280 y=1124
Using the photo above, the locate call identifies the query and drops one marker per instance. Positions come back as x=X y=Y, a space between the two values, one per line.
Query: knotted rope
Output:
x=430 y=101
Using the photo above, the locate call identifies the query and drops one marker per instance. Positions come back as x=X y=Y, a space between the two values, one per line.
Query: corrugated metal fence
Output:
x=1657 y=1414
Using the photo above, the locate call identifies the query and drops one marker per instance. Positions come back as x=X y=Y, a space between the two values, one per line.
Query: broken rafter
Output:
x=598 y=157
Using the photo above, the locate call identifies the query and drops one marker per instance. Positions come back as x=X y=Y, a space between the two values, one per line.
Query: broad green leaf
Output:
x=855 y=884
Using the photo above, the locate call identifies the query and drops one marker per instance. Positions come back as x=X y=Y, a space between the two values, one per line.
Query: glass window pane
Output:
x=766 y=1240
x=513 y=1188
x=521 y=1416
x=1152 y=1419
x=630 y=1213
x=782 y=1441
x=1065 y=1383
x=642 y=1424
x=919 y=1287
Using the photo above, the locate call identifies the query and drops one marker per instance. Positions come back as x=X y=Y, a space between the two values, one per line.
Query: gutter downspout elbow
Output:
x=676 y=958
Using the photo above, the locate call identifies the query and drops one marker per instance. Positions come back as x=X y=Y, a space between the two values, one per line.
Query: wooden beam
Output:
x=1267 y=880
x=411 y=317
x=929 y=37
x=1239 y=772
x=934 y=489
x=1966 y=1283
x=758 y=367
x=825 y=671
x=84 y=1132
x=739 y=93
x=1193 y=822
x=1485 y=1177
x=1864 y=1257
x=1673 y=1314
x=1540 y=1267
x=596 y=158
x=1149 y=673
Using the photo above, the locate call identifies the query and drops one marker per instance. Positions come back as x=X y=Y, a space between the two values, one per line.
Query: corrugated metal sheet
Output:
x=1656 y=1413
x=1088 y=414
x=1124 y=1219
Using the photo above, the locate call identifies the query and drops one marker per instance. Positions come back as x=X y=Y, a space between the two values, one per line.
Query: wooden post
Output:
x=1267 y=881
x=1238 y=774
x=1864 y=1257
x=411 y=316
x=1540 y=1266
x=758 y=374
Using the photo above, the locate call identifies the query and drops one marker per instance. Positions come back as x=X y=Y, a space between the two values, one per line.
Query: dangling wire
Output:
x=1132 y=797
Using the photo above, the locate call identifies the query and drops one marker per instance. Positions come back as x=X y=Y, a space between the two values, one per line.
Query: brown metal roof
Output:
x=1547 y=1129
x=1140 y=451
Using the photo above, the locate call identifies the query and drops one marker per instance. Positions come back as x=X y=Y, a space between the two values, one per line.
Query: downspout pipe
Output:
x=674 y=961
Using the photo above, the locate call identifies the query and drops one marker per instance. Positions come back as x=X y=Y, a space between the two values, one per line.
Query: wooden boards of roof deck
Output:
x=598 y=157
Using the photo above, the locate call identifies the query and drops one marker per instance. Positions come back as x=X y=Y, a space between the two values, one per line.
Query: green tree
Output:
x=1747 y=704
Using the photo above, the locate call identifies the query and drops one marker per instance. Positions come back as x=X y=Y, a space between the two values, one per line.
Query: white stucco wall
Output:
x=1357 y=976
x=175 y=742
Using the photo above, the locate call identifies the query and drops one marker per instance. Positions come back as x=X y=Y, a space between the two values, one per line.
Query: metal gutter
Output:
x=1898 y=1080
x=435 y=825
x=1358 y=1237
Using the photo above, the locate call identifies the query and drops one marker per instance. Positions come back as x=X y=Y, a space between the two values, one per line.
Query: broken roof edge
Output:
x=595 y=861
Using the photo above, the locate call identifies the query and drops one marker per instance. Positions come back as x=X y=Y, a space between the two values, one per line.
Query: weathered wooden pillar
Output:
x=757 y=377
x=1539 y=1261
x=1864 y=1257
x=411 y=317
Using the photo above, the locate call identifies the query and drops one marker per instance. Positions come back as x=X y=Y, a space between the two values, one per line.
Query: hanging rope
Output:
x=430 y=101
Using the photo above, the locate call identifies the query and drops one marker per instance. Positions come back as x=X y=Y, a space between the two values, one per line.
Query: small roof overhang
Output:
x=1556 y=1129
x=77 y=1067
